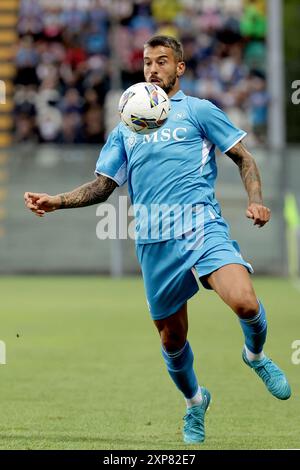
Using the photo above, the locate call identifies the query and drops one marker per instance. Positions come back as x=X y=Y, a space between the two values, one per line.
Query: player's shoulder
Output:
x=201 y=110
x=120 y=131
x=200 y=104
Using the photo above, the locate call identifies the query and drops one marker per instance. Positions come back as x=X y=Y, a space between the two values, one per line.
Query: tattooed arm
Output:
x=252 y=182
x=90 y=193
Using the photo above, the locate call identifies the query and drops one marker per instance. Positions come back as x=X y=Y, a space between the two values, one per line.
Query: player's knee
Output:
x=172 y=340
x=245 y=305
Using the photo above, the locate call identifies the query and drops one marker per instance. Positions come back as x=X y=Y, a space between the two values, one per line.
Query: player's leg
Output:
x=179 y=359
x=169 y=283
x=232 y=283
x=178 y=354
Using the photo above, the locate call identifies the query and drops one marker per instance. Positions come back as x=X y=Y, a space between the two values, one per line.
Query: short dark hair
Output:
x=167 y=41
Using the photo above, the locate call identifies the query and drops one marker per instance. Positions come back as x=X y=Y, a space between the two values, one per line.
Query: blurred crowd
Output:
x=71 y=53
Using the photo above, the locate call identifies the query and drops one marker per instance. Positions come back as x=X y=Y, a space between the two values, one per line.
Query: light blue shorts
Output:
x=169 y=267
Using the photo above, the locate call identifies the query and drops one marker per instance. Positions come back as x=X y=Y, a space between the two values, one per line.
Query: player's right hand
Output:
x=39 y=203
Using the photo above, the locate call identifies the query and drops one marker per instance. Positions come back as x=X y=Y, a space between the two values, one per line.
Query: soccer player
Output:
x=176 y=166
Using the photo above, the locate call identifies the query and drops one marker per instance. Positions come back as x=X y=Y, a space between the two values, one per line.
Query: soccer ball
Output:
x=144 y=107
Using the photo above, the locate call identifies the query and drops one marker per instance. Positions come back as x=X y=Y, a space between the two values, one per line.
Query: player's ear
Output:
x=180 y=69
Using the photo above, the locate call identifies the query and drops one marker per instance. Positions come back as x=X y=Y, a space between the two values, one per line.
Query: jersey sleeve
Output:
x=112 y=161
x=217 y=127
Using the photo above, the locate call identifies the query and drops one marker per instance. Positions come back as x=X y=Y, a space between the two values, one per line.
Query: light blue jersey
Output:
x=175 y=165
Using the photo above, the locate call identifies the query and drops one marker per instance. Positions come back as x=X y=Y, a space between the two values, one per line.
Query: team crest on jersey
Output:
x=180 y=116
x=131 y=141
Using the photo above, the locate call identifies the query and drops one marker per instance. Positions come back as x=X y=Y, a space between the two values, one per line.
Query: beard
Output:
x=167 y=87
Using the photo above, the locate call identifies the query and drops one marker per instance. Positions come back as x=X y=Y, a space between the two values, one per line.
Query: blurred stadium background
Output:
x=65 y=63
x=63 y=66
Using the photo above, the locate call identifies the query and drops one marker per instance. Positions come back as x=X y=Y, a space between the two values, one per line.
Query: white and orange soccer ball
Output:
x=144 y=107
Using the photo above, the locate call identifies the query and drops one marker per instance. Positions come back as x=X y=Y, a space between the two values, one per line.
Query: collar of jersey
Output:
x=178 y=96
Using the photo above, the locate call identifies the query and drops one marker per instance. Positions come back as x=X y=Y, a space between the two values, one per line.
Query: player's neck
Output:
x=174 y=90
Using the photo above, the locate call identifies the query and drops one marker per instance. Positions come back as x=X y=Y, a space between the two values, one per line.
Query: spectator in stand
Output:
x=258 y=102
x=26 y=62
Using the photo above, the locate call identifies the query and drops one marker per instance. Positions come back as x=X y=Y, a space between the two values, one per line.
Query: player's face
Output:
x=162 y=68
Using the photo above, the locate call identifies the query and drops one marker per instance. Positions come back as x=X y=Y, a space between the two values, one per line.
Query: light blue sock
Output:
x=255 y=330
x=180 y=368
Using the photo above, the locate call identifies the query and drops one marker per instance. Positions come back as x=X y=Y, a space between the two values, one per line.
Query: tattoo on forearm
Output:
x=90 y=193
x=248 y=171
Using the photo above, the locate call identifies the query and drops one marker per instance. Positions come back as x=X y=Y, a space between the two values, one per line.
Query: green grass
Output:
x=86 y=370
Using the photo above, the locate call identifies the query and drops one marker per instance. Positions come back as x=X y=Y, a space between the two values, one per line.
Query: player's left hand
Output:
x=259 y=213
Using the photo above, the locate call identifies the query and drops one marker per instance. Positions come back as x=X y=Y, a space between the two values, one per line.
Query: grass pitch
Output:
x=84 y=369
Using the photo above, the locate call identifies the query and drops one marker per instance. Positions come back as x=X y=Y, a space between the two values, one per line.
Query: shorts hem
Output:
x=177 y=307
x=203 y=274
